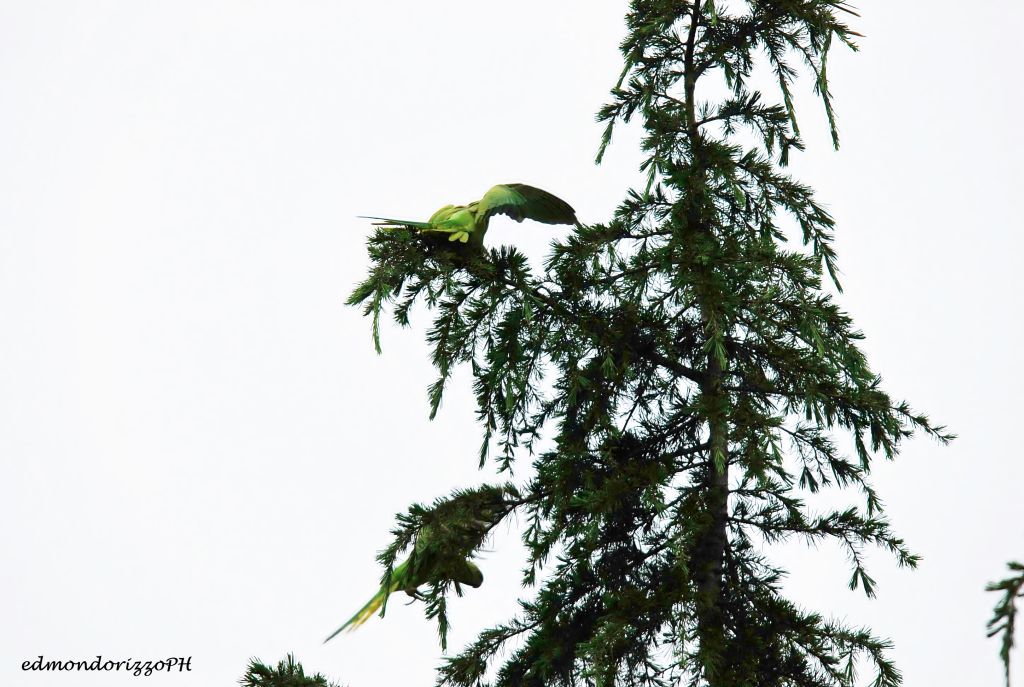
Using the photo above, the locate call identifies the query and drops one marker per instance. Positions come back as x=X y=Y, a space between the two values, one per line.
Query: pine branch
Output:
x=1005 y=614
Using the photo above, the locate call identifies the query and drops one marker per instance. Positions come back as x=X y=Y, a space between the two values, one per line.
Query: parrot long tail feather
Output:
x=386 y=222
x=364 y=613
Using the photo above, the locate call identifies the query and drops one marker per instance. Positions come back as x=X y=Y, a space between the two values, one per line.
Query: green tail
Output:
x=389 y=223
x=364 y=613
x=398 y=576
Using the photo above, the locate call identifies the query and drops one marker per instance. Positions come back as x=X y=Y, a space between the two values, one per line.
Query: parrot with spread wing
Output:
x=449 y=534
x=468 y=223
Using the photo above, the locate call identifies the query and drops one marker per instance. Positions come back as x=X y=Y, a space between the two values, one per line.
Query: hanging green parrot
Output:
x=448 y=535
x=425 y=565
x=417 y=570
x=468 y=223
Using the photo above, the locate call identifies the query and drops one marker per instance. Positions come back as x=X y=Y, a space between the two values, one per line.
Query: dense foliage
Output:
x=679 y=378
x=287 y=673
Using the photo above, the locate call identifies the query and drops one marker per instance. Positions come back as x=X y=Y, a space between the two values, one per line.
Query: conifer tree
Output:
x=287 y=673
x=677 y=381
x=1004 y=616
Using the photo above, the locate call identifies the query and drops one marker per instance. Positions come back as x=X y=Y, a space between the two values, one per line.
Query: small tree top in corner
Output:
x=1005 y=616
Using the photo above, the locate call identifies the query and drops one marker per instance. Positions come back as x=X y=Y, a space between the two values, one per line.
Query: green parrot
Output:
x=449 y=533
x=468 y=223
x=425 y=565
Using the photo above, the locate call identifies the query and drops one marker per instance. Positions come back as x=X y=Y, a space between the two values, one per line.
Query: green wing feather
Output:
x=520 y=202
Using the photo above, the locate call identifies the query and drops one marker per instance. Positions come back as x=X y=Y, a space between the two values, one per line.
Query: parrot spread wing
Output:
x=520 y=202
x=459 y=222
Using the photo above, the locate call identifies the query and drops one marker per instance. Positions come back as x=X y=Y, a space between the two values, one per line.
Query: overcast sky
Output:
x=201 y=453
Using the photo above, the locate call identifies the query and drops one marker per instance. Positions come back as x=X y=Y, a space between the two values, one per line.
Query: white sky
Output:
x=201 y=454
